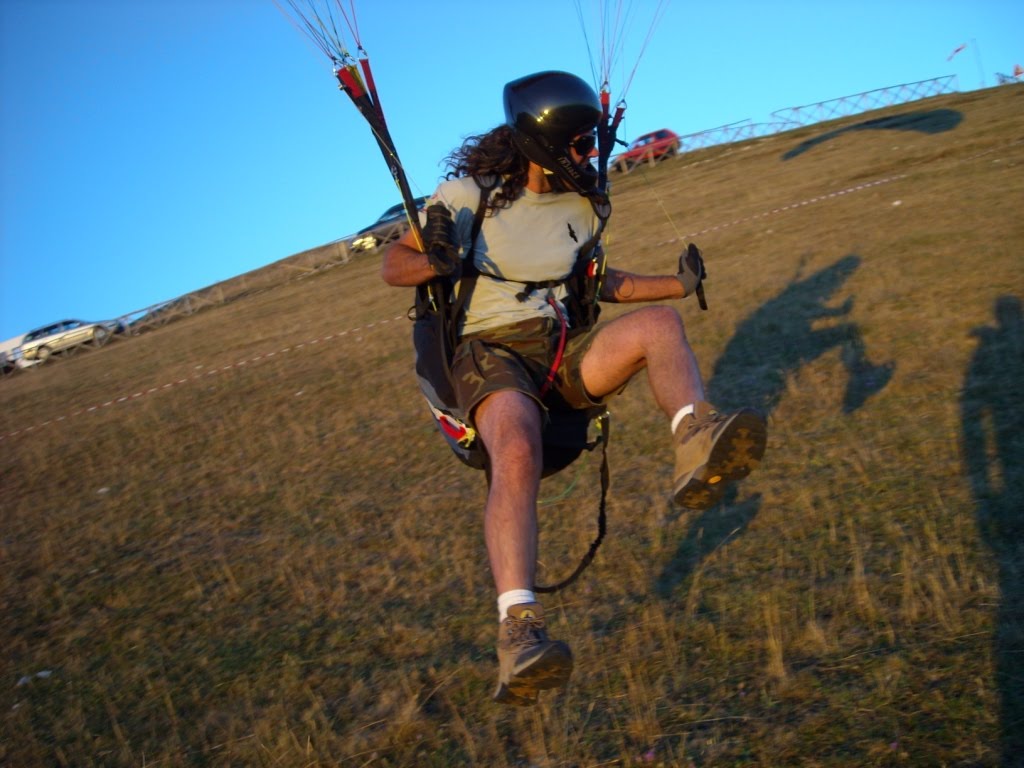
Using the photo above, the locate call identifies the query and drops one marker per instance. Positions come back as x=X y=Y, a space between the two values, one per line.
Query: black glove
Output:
x=692 y=273
x=439 y=240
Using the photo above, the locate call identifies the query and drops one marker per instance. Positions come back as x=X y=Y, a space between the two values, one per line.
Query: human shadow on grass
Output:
x=992 y=442
x=932 y=121
x=773 y=342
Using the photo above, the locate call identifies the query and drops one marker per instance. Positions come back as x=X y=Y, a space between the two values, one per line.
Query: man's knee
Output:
x=663 y=319
x=510 y=423
x=652 y=327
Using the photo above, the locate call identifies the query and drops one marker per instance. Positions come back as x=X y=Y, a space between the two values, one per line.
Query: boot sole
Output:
x=552 y=669
x=735 y=454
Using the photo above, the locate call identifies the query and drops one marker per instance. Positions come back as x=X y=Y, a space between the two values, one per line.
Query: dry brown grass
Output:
x=272 y=559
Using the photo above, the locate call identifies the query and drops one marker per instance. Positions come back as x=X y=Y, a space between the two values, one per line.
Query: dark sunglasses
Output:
x=584 y=144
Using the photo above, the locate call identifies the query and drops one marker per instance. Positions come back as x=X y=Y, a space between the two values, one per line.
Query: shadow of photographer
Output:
x=932 y=121
x=776 y=340
x=992 y=442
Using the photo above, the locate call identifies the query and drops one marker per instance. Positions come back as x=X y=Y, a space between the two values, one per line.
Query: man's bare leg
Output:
x=528 y=661
x=712 y=449
x=510 y=426
x=651 y=338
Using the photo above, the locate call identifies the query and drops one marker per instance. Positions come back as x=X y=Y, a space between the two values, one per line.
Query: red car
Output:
x=650 y=148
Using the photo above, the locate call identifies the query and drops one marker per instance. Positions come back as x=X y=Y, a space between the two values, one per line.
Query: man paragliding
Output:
x=521 y=212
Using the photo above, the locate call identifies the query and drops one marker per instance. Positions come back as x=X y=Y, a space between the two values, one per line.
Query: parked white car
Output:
x=42 y=342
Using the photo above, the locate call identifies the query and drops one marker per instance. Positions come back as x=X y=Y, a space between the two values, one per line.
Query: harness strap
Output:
x=470 y=273
x=602 y=515
x=557 y=362
x=530 y=287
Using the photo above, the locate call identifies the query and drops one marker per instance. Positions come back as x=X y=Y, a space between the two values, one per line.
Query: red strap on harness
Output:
x=556 y=364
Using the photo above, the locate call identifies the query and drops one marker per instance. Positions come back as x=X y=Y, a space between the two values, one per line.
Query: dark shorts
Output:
x=518 y=357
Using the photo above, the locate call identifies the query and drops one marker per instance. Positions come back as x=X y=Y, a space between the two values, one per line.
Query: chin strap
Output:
x=557 y=183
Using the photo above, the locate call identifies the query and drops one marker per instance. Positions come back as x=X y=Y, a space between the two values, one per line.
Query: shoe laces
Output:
x=526 y=632
x=708 y=420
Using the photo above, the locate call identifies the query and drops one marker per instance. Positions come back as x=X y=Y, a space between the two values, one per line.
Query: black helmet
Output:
x=546 y=111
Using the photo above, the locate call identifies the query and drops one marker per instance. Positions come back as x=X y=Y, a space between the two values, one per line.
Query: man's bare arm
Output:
x=625 y=287
x=404 y=264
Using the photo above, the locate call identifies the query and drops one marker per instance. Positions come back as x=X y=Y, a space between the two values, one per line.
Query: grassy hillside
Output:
x=238 y=540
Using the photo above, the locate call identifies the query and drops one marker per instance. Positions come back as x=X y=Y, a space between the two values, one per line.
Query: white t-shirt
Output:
x=533 y=241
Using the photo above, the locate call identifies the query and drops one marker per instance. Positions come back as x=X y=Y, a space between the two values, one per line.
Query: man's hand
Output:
x=692 y=273
x=439 y=240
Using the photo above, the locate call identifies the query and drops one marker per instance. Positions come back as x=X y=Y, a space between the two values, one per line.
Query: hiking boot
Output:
x=528 y=662
x=714 y=449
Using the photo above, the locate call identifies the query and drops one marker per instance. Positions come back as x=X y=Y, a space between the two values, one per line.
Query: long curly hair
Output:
x=491 y=154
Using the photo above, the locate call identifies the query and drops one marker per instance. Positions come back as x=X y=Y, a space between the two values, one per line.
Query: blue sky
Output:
x=149 y=148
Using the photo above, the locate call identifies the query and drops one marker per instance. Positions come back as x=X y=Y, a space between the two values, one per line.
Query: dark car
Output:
x=390 y=226
x=650 y=148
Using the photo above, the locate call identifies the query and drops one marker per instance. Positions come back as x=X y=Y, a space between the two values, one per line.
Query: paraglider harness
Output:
x=438 y=313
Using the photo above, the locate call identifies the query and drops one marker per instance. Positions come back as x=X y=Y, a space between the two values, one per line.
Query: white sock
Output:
x=686 y=410
x=513 y=597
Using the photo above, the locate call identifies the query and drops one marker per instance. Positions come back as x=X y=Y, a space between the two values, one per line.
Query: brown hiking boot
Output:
x=714 y=449
x=528 y=662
